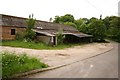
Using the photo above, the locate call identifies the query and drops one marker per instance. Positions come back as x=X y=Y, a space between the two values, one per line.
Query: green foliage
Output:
x=83 y=28
x=85 y=20
x=29 y=34
x=93 y=26
x=57 y=19
x=92 y=19
x=78 y=22
x=63 y=19
x=20 y=36
x=13 y=64
x=97 y=29
x=33 y=45
x=114 y=28
x=71 y=24
x=81 y=24
x=67 y=18
x=106 y=22
x=60 y=36
x=30 y=22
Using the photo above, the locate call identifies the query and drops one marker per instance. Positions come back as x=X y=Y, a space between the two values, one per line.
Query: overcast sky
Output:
x=44 y=9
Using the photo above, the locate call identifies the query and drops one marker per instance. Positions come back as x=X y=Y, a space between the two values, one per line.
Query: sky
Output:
x=45 y=9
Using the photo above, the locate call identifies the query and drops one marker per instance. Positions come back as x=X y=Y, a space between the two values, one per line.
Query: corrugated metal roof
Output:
x=43 y=32
x=54 y=32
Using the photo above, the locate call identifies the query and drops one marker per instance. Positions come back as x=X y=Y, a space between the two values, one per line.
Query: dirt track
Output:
x=56 y=57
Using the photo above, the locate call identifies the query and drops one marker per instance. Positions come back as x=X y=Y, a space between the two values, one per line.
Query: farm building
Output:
x=45 y=31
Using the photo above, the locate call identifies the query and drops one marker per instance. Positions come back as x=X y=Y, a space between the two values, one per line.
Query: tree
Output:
x=30 y=22
x=114 y=28
x=82 y=24
x=97 y=29
x=85 y=20
x=83 y=28
x=107 y=22
x=29 y=34
x=57 y=19
x=67 y=18
x=63 y=19
x=50 y=20
x=78 y=23
x=92 y=19
x=71 y=24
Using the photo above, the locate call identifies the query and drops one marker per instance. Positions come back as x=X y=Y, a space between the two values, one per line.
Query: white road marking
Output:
x=91 y=66
x=88 y=71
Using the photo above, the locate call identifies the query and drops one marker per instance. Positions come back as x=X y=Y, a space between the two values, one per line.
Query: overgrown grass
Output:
x=12 y=64
x=33 y=45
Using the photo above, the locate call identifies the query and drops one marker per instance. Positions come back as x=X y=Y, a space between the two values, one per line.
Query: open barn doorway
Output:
x=71 y=39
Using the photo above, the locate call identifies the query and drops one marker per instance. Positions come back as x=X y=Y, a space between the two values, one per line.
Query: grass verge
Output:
x=33 y=45
x=14 y=64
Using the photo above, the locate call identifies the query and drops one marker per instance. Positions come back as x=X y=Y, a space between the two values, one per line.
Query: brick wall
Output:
x=6 y=32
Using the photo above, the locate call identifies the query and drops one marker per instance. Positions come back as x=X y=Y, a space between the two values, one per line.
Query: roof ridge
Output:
x=36 y=20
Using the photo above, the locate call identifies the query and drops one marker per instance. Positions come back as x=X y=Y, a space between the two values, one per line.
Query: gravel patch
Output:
x=59 y=57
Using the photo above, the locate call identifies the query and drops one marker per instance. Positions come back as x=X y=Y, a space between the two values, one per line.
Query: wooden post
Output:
x=52 y=39
x=56 y=40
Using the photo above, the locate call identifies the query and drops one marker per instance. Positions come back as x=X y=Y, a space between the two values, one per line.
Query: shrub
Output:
x=30 y=35
x=20 y=36
x=12 y=64
x=60 y=36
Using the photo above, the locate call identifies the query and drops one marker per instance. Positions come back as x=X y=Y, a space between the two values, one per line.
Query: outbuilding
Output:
x=45 y=31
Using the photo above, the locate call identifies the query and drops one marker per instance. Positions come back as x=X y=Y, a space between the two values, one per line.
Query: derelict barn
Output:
x=46 y=31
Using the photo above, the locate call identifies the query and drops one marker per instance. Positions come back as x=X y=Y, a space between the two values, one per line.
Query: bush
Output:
x=12 y=64
x=20 y=36
x=30 y=35
x=60 y=36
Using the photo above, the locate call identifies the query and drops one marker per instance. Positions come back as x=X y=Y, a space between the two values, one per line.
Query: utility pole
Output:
x=101 y=17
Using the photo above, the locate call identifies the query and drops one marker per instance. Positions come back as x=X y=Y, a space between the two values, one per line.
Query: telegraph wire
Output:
x=94 y=6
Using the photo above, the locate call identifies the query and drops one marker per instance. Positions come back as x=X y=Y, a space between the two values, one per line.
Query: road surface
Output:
x=102 y=66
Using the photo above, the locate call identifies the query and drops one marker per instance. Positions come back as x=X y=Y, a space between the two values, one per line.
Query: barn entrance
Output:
x=76 y=39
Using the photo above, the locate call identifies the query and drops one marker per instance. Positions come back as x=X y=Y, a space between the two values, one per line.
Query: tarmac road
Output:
x=102 y=66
